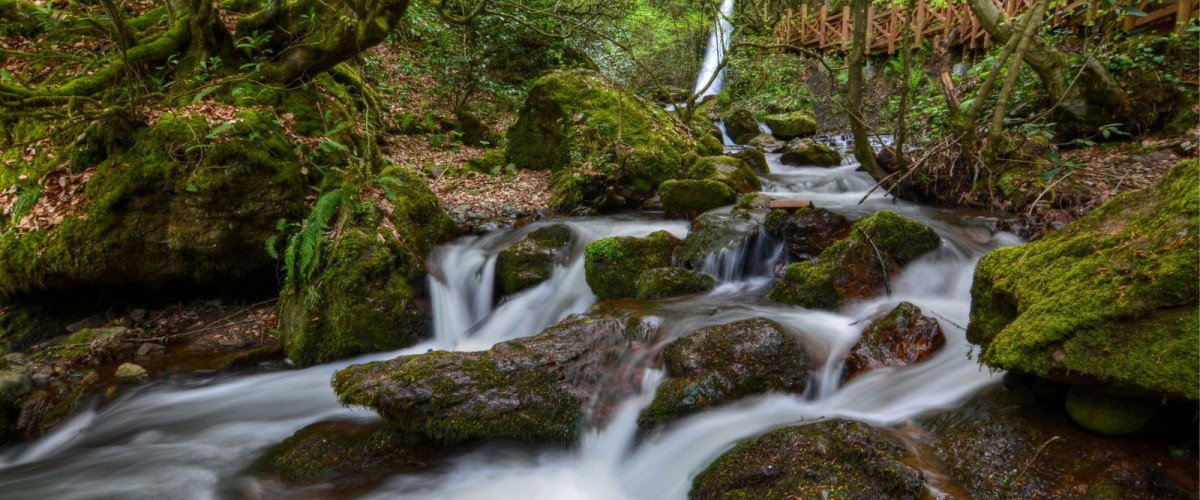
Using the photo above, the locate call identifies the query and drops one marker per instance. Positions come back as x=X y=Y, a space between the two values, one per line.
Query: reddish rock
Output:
x=807 y=231
x=901 y=338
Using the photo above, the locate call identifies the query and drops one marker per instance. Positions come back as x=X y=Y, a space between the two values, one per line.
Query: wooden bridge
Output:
x=825 y=29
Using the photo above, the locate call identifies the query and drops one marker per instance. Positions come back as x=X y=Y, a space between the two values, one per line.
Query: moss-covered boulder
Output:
x=1096 y=411
x=828 y=459
x=731 y=171
x=721 y=364
x=1007 y=443
x=605 y=146
x=753 y=202
x=535 y=388
x=741 y=125
x=1109 y=299
x=806 y=152
x=688 y=198
x=368 y=291
x=902 y=337
x=791 y=125
x=858 y=265
x=808 y=231
x=613 y=265
x=755 y=158
x=714 y=233
x=531 y=260
x=767 y=143
x=666 y=282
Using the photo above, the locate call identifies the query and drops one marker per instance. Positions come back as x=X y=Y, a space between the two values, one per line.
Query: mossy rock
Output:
x=534 y=388
x=731 y=171
x=721 y=364
x=900 y=338
x=614 y=265
x=741 y=125
x=1108 y=299
x=597 y=139
x=368 y=294
x=986 y=443
x=855 y=267
x=791 y=125
x=531 y=260
x=1111 y=415
x=663 y=282
x=713 y=233
x=755 y=158
x=767 y=143
x=806 y=231
x=828 y=459
x=805 y=152
x=689 y=198
x=753 y=202
x=492 y=162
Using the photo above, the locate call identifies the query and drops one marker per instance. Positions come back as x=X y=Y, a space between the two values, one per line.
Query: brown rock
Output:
x=903 y=337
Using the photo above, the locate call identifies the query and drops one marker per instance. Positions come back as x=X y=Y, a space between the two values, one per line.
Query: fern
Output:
x=304 y=248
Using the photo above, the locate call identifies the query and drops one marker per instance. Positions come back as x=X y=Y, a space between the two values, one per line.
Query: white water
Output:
x=192 y=439
x=714 y=54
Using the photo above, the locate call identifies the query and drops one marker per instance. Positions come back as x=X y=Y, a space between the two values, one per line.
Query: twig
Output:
x=1033 y=205
x=1035 y=455
x=882 y=265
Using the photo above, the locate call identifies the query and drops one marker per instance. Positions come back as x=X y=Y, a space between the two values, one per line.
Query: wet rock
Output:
x=806 y=152
x=596 y=137
x=340 y=456
x=15 y=359
x=532 y=260
x=613 y=265
x=666 y=282
x=791 y=125
x=752 y=202
x=688 y=198
x=712 y=233
x=741 y=125
x=755 y=159
x=732 y=172
x=807 y=231
x=767 y=143
x=129 y=372
x=1004 y=443
x=138 y=315
x=1111 y=297
x=1092 y=408
x=13 y=386
x=857 y=266
x=828 y=459
x=534 y=388
x=149 y=350
x=721 y=364
x=903 y=337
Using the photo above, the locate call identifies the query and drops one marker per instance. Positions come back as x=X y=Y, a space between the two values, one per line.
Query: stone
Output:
x=791 y=125
x=129 y=372
x=149 y=350
x=731 y=171
x=713 y=233
x=663 y=282
x=826 y=459
x=806 y=232
x=741 y=125
x=1107 y=414
x=721 y=364
x=754 y=158
x=687 y=199
x=767 y=143
x=612 y=266
x=900 y=338
x=532 y=259
x=806 y=152
x=13 y=386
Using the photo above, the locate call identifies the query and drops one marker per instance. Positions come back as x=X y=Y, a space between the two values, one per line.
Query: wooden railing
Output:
x=825 y=29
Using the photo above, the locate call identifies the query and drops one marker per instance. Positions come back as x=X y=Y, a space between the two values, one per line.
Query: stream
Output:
x=193 y=438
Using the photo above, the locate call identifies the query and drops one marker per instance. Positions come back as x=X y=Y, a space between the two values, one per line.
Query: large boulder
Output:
x=731 y=171
x=857 y=266
x=791 y=125
x=688 y=198
x=806 y=152
x=741 y=125
x=767 y=143
x=902 y=337
x=721 y=364
x=535 y=388
x=828 y=459
x=606 y=147
x=531 y=260
x=1109 y=299
x=663 y=282
x=368 y=291
x=613 y=265
x=713 y=233
x=755 y=158
x=808 y=231
x=1006 y=443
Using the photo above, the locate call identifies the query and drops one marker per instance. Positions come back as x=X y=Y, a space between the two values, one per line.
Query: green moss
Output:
x=807 y=284
x=595 y=136
x=731 y=171
x=755 y=158
x=492 y=162
x=335 y=451
x=614 y=265
x=1110 y=297
x=688 y=198
x=532 y=260
x=901 y=238
x=789 y=125
x=666 y=282
x=1107 y=414
x=810 y=153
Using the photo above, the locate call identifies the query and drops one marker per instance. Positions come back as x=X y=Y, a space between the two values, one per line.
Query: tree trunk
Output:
x=854 y=92
x=1091 y=100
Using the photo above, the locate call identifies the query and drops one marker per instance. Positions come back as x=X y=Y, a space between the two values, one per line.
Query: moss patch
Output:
x=532 y=260
x=614 y=265
x=665 y=282
x=689 y=198
x=791 y=125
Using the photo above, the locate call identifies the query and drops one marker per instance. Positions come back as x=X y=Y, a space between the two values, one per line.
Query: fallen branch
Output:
x=882 y=264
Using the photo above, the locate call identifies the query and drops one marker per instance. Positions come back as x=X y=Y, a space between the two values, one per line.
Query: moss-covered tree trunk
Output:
x=854 y=92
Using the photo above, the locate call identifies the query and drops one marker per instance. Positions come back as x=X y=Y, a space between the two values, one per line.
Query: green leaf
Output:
x=204 y=93
x=1051 y=173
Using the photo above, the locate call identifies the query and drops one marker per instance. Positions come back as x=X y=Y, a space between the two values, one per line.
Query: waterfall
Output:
x=718 y=44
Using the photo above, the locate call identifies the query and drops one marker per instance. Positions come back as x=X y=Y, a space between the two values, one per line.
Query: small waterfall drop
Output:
x=718 y=45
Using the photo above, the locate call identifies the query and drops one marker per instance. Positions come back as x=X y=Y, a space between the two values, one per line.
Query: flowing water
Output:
x=718 y=44
x=193 y=438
